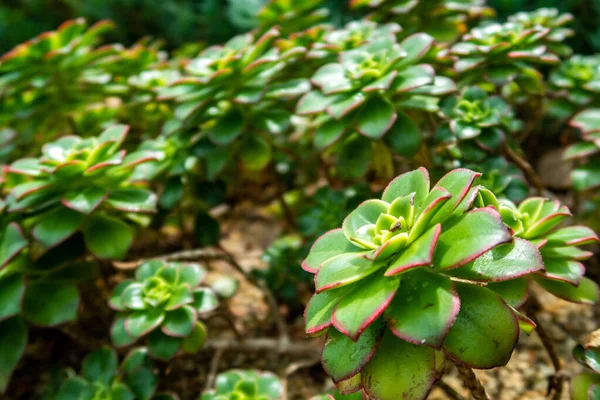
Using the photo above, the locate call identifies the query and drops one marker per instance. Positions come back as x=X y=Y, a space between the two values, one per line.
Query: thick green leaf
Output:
x=572 y=236
x=342 y=358
x=50 y=303
x=400 y=370
x=132 y=296
x=141 y=322
x=344 y=104
x=503 y=262
x=194 y=341
x=180 y=296
x=227 y=128
x=513 y=292
x=471 y=235
x=364 y=215
x=354 y=157
x=485 y=331
x=343 y=270
x=192 y=274
x=255 y=153
x=416 y=182
x=13 y=339
x=133 y=200
x=107 y=237
x=424 y=308
x=12 y=289
x=205 y=300
x=376 y=118
x=73 y=388
x=313 y=102
x=581 y=385
x=330 y=244
x=317 y=316
x=85 y=201
x=57 y=226
x=142 y=383
x=458 y=183
x=12 y=242
x=586 y=292
x=587 y=176
x=564 y=270
x=363 y=305
x=179 y=322
x=162 y=346
x=416 y=46
x=418 y=254
x=435 y=200
x=404 y=137
x=329 y=133
x=100 y=365
x=118 y=333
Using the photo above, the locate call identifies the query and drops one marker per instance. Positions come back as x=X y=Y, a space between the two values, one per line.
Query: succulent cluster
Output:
x=103 y=378
x=81 y=185
x=291 y=17
x=245 y=384
x=163 y=302
x=586 y=176
x=504 y=55
x=386 y=293
x=586 y=386
x=445 y=19
x=577 y=84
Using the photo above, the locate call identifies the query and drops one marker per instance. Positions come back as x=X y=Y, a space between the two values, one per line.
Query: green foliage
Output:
x=103 y=378
x=245 y=384
x=163 y=302
x=586 y=386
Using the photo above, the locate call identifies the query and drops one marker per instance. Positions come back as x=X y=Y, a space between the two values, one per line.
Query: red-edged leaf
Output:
x=418 y=254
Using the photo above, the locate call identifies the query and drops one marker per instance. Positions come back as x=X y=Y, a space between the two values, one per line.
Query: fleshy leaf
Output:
x=13 y=339
x=376 y=118
x=416 y=182
x=469 y=237
x=50 y=303
x=361 y=307
x=424 y=308
x=485 y=331
x=343 y=270
x=331 y=244
x=342 y=358
x=399 y=367
x=364 y=215
x=418 y=254
x=586 y=292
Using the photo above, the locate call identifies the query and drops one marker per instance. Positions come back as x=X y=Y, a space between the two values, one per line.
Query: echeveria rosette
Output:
x=237 y=95
x=354 y=34
x=443 y=19
x=503 y=55
x=246 y=385
x=163 y=303
x=103 y=378
x=548 y=18
x=290 y=16
x=386 y=292
x=363 y=98
x=81 y=185
x=475 y=128
x=586 y=386
x=538 y=220
x=586 y=175
x=576 y=83
x=54 y=75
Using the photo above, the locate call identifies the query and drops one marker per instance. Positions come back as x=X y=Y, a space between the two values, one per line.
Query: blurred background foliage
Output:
x=214 y=21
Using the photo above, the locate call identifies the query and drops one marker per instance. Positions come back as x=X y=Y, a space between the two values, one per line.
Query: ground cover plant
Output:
x=358 y=198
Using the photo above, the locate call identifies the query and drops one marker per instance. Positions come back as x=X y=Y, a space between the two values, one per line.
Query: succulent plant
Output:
x=443 y=19
x=586 y=386
x=586 y=176
x=548 y=18
x=538 y=220
x=246 y=385
x=386 y=293
x=163 y=302
x=290 y=16
x=576 y=82
x=81 y=185
x=354 y=34
x=503 y=55
x=233 y=94
x=49 y=78
x=103 y=378
x=369 y=92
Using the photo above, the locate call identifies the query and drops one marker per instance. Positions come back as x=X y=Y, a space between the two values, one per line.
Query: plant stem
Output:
x=533 y=306
x=450 y=391
x=471 y=382
x=526 y=168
